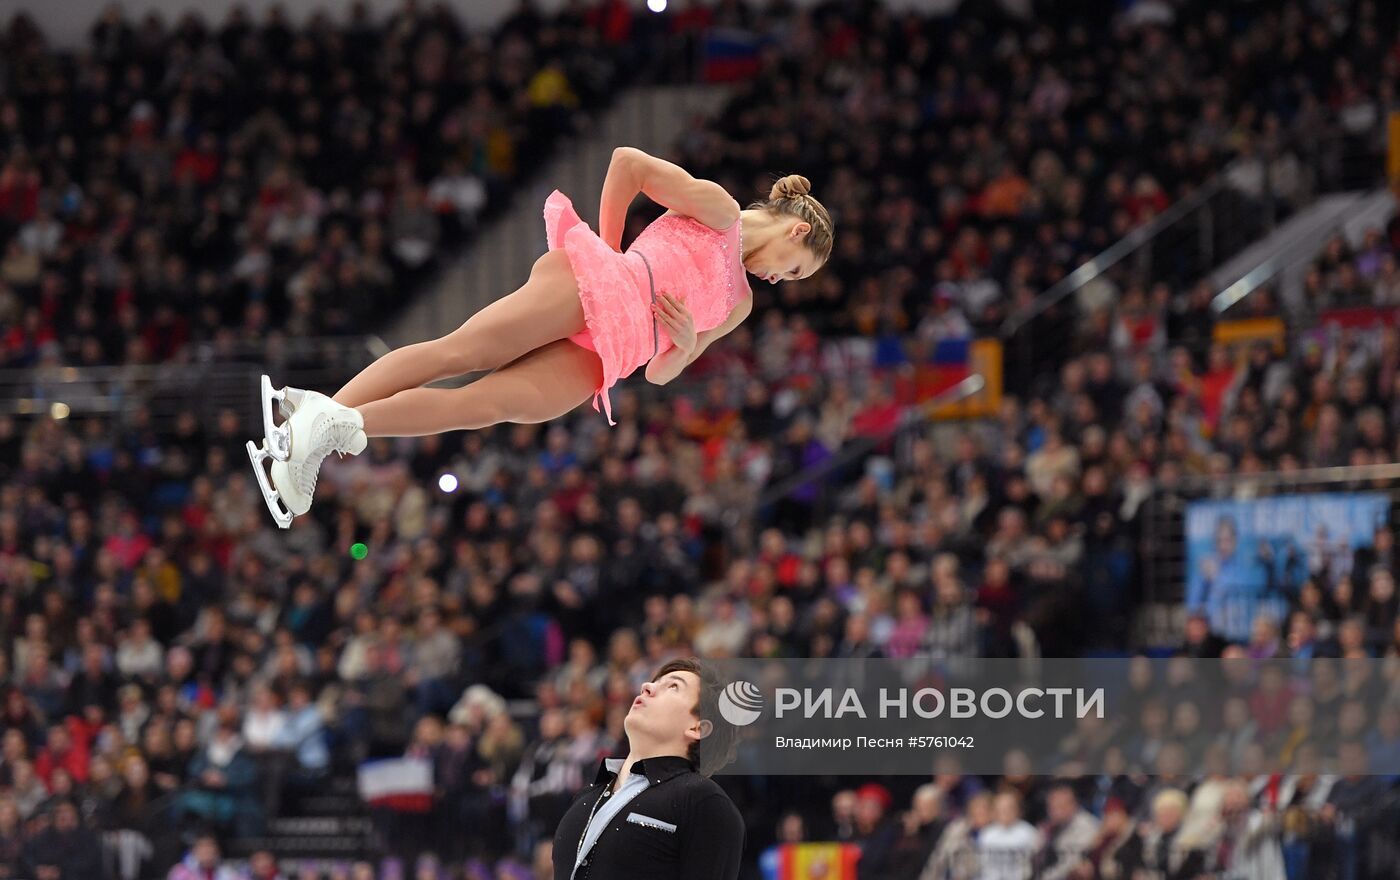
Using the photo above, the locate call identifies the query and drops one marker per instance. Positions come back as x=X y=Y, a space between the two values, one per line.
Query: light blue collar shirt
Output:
x=636 y=783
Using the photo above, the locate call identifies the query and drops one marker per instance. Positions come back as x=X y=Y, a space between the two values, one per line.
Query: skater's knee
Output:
x=452 y=357
x=483 y=406
x=475 y=409
x=475 y=347
x=552 y=265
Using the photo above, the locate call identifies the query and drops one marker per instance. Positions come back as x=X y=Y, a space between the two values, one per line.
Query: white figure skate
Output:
x=315 y=427
x=276 y=438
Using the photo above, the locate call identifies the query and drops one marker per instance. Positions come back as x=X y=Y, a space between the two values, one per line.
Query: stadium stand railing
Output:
x=1183 y=243
x=1280 y=271
x=739 y=522
x=217 y=377
x=1164 y=552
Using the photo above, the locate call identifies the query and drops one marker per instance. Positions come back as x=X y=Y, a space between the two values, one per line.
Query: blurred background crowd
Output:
x=183 y=681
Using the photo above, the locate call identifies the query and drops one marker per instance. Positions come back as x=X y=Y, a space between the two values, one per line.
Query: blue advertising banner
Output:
x=1244 y=557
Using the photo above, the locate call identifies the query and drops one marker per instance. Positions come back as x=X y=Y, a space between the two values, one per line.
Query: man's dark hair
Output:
x=1063 y=785
x=717 y=749
x=66 y=803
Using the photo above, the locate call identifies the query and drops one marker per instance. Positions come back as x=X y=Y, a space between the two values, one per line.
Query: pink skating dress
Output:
x=696 y=263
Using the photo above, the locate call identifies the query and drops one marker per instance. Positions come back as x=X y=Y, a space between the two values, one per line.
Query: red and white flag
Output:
x=403 y=784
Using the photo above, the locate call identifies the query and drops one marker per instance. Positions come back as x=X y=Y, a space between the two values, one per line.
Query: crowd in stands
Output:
x=1347 y=276
x=178 y=182
x=972 y=164
x=174 y=663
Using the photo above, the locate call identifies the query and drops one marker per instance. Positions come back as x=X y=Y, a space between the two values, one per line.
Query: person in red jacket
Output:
x=65 y=747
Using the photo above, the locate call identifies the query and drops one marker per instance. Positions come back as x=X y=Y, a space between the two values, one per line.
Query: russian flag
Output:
x=730 y=54
x=402 y=784
x=810 y=861
x=949 y=363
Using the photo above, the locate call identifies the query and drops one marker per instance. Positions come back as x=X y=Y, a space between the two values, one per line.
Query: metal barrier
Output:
x=1180 y=246
x=1191 y=217
x=1164 y=524
x=1350 y=215
x=224 y=376
x=1261 y=275
x=739 y=523
x=218 y=376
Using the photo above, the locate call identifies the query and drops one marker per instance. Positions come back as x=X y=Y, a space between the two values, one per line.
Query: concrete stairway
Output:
x=329 y=823
x=1283 y=256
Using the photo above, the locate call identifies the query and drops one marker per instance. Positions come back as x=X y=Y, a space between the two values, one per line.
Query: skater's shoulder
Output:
x=681 y=772
x=711 y=805
x=706 y=789
x=699 y=788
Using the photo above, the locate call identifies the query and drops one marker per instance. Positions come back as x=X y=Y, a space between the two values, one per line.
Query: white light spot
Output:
x=447 y=483
x=656 y=5
x=59 y=410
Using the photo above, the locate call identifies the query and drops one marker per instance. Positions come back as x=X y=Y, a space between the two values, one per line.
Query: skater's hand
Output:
x=676 y=318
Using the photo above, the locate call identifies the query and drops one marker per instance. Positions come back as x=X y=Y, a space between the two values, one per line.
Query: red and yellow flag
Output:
x=812 y=861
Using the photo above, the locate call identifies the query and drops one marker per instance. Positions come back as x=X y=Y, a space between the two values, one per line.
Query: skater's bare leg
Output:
x=544 y=309
x=542 y=385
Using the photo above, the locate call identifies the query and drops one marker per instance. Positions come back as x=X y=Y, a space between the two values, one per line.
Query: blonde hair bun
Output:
x=791 y=197
x=789 y=187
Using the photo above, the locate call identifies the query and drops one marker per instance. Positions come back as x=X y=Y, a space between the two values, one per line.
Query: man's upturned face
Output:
x=665 y=708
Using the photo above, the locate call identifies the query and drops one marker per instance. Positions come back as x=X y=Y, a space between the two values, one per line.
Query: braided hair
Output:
x=791 y=195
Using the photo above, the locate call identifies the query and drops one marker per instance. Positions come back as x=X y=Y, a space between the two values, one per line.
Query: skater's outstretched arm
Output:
x=632 y=171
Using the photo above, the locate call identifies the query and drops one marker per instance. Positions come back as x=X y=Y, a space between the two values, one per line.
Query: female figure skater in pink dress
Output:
x=588 y=316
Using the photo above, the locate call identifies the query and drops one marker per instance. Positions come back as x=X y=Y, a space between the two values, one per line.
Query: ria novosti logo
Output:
x=740 y=703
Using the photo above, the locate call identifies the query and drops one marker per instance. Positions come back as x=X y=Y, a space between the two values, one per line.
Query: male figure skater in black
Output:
x=656 y=814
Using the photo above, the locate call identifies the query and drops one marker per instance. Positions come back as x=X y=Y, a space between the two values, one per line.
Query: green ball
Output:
x=359 y=551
